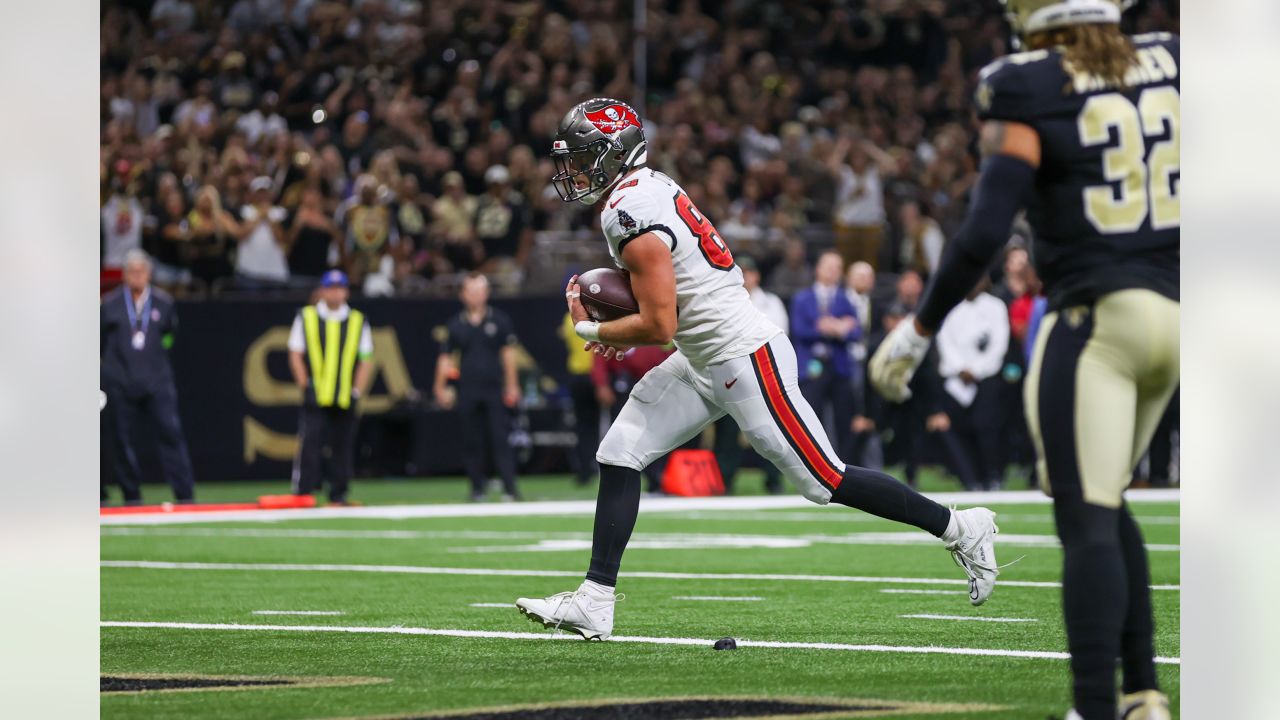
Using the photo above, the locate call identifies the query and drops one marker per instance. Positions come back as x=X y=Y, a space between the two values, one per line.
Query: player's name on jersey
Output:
x=1155 y=64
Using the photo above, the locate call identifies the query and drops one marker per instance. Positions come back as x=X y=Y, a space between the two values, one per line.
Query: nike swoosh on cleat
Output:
x=730 y=383
x=973 y=589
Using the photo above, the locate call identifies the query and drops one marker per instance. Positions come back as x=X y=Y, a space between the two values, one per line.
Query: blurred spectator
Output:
x=792 y=209
x=922 y=240
x=122 y=218
x=172 y=256
x=823 y=324
x=502 y=223
x=213 y=233
x=864 y=448
x=486 y=385
x=412 y=215
x=263 y=120
x=766 y=302
x=859 y=282
x=260 y=257
x=233 y=88
x=793 y=273
x=971 y=350
x=455 y=213
x=1020 y=290
x=908 y=290
x=369 y=228
x=314 y=240
x=137 y=322
x=859 y=212
x=173 y=16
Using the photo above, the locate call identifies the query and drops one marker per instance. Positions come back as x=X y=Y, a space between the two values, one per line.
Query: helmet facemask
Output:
x=580 y=173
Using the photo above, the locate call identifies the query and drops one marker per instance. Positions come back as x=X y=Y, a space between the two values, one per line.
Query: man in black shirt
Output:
x=484 y=371
x=136 y=329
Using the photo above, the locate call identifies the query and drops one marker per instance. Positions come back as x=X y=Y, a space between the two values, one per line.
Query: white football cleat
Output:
x=1144 y=705
x=1072 y=715
x=586 y=613
x=975 y=551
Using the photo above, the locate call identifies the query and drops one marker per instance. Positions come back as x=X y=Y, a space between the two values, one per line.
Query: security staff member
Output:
x=137 y=324
x=330 y=346
x=486 y=385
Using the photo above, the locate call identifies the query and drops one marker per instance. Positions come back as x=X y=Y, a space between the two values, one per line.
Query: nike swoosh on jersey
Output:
x=614 y=204
x=730 y=383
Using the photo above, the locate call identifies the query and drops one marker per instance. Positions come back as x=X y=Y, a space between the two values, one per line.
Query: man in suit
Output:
x=823 y=324
x=136 y=330
x=865 y=446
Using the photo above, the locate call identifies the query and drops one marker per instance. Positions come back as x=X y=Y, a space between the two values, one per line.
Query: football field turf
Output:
x=410 y=611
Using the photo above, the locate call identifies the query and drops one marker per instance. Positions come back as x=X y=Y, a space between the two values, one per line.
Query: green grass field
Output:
x=410 y=623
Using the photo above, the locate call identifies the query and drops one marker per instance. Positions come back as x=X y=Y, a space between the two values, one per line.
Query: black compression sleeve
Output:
x=1001 y=189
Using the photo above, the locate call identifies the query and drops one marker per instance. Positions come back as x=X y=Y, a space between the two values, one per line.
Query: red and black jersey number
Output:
x=709 y=241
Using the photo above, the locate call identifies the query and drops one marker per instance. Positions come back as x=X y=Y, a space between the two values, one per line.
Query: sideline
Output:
x=584 y=507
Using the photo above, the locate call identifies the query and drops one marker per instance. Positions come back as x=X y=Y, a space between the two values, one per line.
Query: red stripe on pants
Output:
x=792 y=426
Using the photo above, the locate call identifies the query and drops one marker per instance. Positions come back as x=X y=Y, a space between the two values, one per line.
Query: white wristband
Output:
x=588 y=330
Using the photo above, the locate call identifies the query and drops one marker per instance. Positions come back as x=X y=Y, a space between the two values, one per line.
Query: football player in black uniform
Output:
x=1082 y=131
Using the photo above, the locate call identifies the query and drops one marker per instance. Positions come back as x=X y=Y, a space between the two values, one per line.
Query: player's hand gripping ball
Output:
x=606 y=294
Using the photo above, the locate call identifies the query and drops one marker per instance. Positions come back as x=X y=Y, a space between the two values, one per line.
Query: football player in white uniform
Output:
x=730 y=359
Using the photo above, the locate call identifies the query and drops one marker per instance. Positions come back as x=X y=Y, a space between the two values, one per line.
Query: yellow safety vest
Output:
x=326 y=374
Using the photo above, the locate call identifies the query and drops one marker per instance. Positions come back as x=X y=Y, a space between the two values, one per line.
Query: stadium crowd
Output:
x=250 y=146
x=253 y=144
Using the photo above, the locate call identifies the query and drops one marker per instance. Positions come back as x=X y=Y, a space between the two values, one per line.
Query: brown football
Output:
x=606 y=294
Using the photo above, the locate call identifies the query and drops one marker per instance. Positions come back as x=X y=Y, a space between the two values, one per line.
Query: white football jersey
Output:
x=716 y=319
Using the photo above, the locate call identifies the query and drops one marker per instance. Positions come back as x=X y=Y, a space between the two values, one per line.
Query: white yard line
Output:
x=989 y=652
x=298 y=612
x=914 y=591
x=719 y=598
x=507 y=605
x=574 y=541
x=581 y=507
x=509 y=572
x=971 y=618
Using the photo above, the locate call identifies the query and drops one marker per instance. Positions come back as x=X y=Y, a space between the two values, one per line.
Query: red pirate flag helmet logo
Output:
x=612 y=119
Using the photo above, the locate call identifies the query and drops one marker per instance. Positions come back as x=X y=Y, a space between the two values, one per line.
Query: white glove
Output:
x=895 y=362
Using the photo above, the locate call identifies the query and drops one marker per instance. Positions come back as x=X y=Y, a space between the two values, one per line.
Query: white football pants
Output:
x=675 y=401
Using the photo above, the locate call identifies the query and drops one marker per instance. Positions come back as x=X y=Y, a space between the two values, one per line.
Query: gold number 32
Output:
x=1147 y=186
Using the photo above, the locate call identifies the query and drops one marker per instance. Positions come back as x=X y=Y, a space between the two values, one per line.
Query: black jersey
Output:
x=1105 y=207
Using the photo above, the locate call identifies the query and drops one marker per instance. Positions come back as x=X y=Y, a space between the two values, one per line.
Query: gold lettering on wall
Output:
x=262 y=440
x=259 y=387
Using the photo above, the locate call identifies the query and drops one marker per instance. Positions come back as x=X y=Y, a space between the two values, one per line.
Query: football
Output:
x=606 y=294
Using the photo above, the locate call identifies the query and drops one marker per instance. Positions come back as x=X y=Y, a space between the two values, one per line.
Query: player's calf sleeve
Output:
x=1094 y=601
x=883 y=496
x=617 y=505
x=1137 y=643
